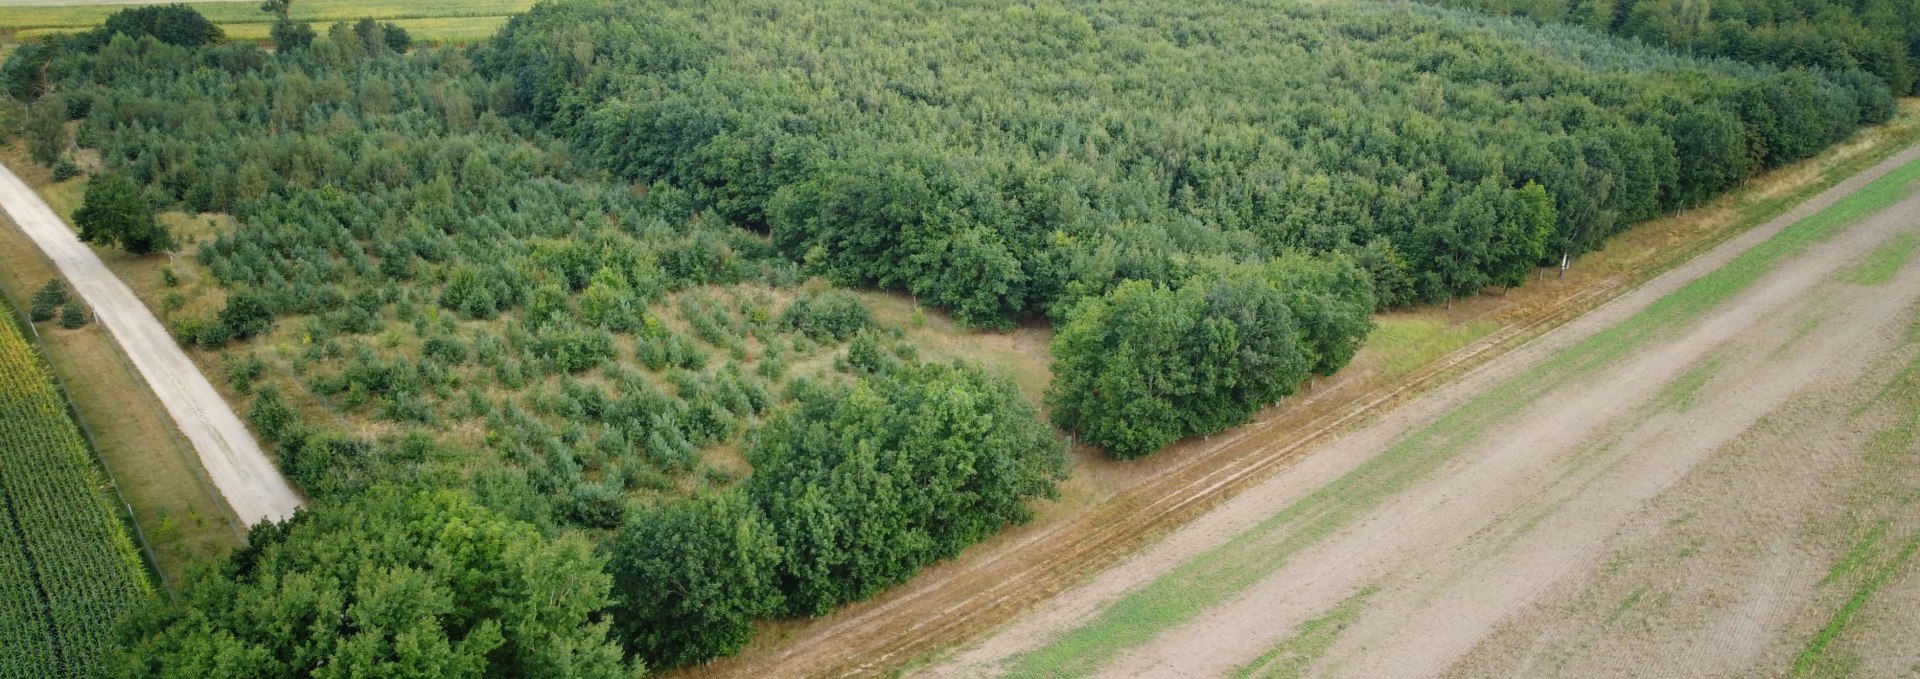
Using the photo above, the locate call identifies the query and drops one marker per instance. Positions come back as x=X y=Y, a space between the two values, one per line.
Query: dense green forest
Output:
x=1006 y=162
x=421 y=291
x=552 y=306
x=1879 y=37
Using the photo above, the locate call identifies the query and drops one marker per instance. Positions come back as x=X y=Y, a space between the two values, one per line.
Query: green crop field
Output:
x=429 y=20
x=67 y=568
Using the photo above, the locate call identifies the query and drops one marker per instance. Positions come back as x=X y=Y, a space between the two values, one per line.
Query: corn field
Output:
x=68 y=570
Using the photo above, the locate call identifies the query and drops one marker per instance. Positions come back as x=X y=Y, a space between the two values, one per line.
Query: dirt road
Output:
x=1443 y=536
x=252 y=486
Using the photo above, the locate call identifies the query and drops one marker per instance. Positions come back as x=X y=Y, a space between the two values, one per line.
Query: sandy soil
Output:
x=248 y=480
x=1726 y=573
x=1535 y=500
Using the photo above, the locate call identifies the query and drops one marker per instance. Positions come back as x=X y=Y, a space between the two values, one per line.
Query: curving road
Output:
x=252 y=486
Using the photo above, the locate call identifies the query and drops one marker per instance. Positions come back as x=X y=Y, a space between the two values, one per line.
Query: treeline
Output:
x=486 y=362
x=1010 y=162
x=395 y=582
x=854 y=490
x=1149 y=364
x=1878 y=37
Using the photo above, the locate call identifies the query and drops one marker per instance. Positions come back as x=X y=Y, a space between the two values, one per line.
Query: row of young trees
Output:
x=1012 y=162
x=1877 y=37
x=437 y=269
x=854 y=489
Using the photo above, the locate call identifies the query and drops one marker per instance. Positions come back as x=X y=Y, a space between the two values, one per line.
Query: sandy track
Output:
x=1536 y=498
x=252 y=486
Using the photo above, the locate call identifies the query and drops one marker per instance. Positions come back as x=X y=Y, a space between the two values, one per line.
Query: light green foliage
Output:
x=395 y=583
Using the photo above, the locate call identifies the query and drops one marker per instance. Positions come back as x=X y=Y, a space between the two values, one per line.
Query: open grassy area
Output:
x=428 y=20
x=1403 y=342
x=181 y=515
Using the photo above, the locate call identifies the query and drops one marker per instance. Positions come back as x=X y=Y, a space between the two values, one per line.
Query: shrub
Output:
x=829 y=316
x=65 y=169
x=73 y=317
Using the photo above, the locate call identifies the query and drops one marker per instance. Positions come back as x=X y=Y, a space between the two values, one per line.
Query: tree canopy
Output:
x=1147 y=364
x=172 y=24
x=1874 y=42
x=1002 y=162
x=115 y=213
x=395 y=583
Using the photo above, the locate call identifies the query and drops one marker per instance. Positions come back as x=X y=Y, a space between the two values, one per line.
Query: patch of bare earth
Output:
x=1539 y=497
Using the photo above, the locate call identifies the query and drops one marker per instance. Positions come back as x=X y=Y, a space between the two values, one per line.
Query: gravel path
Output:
x=250 y=483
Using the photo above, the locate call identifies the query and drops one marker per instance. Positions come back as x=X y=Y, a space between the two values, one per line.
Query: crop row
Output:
x=68 y=570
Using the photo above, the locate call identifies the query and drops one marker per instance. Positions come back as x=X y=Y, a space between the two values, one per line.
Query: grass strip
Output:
x=1310 y=641
x=1886 y=261
x=1682 y=394
x=1816 y=656
x=1216 y=575
x=1858 y=554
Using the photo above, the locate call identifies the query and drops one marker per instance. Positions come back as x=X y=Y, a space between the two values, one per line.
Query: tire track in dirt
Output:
x=1076 y=608
x=952 y=603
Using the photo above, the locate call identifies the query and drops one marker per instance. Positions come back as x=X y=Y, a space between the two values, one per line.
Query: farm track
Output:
x=949 y=606
x=245 y=477
x=1528 y=500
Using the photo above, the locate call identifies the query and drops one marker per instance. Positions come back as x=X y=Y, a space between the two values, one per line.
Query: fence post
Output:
x=93 y=446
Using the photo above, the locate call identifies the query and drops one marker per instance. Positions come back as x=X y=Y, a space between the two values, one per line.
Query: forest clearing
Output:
x=775 y=338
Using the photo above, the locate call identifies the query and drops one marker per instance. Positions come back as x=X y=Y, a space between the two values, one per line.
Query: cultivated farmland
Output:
x=435 y=21
x=67 y=568
x=1714 y=473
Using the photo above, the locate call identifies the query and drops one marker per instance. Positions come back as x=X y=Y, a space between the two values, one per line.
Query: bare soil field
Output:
x=1671 y=463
